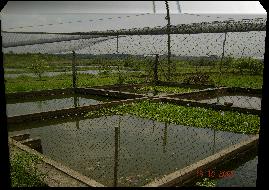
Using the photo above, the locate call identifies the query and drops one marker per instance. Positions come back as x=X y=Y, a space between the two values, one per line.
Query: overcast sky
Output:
x=83 y=16
x=78 y=16
x=52 y=7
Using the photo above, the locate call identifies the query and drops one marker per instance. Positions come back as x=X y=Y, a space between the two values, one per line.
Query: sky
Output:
x=52 y=7
x=93 y=15
x=84 y=16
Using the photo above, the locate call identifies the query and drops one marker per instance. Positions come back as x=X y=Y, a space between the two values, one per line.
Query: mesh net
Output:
x=134 y=146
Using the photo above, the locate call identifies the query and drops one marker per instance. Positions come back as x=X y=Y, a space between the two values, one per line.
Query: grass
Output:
x=27 y=83
x=167 y=89
x=23 y=170
x=188 y=116
x=206 y=182
x=58 y=63
x=245 y=81
x=231 y=80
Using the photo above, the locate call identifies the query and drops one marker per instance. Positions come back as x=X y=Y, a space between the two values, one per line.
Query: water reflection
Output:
x=116 y=156
x=126 y=150
x=165 y=137
x=35 y=106
x=52 y=74
x=250 y=102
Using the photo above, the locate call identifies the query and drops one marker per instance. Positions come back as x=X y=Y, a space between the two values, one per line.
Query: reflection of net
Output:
x=146 y=149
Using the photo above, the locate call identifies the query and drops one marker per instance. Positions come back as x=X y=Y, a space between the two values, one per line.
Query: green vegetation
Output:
x=245 y=81
x=242 y=72
x=27 y=83
x=207 y=183
x=23 y=170
x=198 y=78
x=38 y=65
x=188 y=116
x=167 y=89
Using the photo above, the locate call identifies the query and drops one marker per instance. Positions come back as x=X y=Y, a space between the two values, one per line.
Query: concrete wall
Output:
x=57 y=174
x=183 y=176
x=69 y=112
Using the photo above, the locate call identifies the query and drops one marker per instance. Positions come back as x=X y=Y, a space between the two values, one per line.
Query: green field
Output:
x=244 y=72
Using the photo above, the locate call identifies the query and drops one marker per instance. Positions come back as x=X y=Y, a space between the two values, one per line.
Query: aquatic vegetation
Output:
x=187 y=116
x=168 y=89
x=206 y=183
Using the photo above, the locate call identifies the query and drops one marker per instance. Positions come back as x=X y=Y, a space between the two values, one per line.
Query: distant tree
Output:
x=253 y=66
x=38 y=65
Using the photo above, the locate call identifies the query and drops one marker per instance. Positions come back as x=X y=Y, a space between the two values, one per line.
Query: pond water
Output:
x=243 y=168
x=125 y=150
x=238 y=101
x=23 y=107
x=51 y=74
x=244 y=176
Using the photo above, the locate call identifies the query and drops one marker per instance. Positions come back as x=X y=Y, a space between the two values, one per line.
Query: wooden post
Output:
x=221 y=61
x=155 y=69
x=74 y=70
x=168 y=40
x=165 y=137
x=117 y=44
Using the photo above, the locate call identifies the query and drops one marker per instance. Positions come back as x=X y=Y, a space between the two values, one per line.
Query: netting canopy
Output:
x=185 y=38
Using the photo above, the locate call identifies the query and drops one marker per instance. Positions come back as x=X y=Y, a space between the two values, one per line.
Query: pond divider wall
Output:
x=63 y=176
x=34 y=143
x=122 y=86
x=104 y=92
x=214 y=92
x=174 y=99
x=21 y=137
x=68 y=112
x=217 y=107
x=183 y=176
x=160 y=83
x=57 y=174
x=70 y=91
x=40 y=93
x=60 y=175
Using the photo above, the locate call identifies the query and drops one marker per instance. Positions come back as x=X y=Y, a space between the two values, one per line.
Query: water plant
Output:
x=206 y=182
x=187 y=116
x=168 y=89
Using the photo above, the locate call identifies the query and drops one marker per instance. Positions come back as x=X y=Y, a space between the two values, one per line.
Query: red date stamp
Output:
x=215 y=174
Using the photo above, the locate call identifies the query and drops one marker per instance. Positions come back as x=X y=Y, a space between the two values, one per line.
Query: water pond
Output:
x=249 y=102
x=125 y=150
x=23 y=106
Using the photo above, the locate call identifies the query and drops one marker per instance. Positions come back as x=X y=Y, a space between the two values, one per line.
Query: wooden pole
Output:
x=168 y=40
x=74 y=70
x=221 y=61
x=155 y=69
x=116 y=157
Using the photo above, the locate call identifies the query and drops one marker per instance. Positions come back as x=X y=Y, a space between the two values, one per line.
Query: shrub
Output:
x=252 y=65
x=38 y=65
x=23 y=170
x=198 y=78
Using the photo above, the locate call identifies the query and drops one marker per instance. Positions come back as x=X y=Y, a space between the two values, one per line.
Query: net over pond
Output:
x=23 y=107
x=125 y=150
